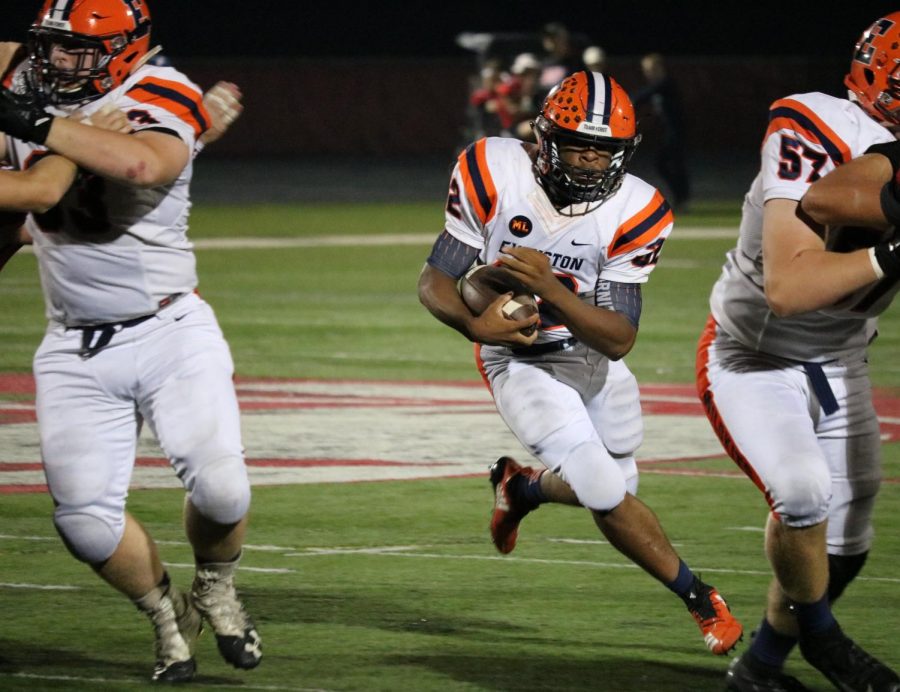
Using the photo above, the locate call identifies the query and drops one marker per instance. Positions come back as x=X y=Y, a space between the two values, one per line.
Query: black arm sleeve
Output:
x=451 y=256
x=620 y=297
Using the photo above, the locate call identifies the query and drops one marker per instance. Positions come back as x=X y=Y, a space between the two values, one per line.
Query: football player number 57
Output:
x=793 y=154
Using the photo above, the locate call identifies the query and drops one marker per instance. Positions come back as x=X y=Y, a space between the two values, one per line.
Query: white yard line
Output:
x=125 y=681
x=687 y=233
x=40 y=587
x=361 y=239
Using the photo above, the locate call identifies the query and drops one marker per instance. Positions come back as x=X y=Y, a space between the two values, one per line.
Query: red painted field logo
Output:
x=317 y=431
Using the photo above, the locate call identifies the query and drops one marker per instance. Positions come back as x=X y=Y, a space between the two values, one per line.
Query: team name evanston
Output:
x=557 y=260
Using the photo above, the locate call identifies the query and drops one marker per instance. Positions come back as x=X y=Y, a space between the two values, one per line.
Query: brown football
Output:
x=483 y=284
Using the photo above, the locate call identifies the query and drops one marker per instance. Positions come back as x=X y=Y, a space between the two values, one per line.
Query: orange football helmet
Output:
x=873 y=76
x=107 y=38
x=584 y=109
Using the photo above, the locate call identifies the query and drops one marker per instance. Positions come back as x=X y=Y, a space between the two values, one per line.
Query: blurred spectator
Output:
x=594 y=59
x=561 y=58
x=663 y=97
x=519 y=97
x=486 y=111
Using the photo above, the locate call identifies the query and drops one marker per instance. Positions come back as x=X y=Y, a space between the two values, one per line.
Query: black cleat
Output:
x=748 y=674
x=846 y=664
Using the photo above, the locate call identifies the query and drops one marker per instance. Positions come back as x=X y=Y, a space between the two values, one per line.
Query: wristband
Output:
x=40 y=130
x=890 y=150
x=885 y=255
x=879 y=272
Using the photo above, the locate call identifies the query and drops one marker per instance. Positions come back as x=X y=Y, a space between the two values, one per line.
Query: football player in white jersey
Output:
x=566 y=218
x=782 y=373
x=128 y=340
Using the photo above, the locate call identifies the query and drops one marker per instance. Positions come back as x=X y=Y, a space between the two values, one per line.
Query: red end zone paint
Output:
x=315 y=431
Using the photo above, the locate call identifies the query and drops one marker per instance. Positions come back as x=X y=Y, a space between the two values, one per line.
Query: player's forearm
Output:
x=39 y=188
x=816 y=279
x=850 y=194
x=126 y=158
x=603 y=330
x=438 y=293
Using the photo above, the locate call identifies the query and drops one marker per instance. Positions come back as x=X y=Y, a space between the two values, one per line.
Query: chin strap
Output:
x=145 y=58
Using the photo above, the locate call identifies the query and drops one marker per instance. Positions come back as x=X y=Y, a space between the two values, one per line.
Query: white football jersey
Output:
x=109 y=252
x=495 y=201
x=808 y=136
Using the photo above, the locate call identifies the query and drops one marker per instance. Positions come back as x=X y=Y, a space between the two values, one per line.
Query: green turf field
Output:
x=395 y=585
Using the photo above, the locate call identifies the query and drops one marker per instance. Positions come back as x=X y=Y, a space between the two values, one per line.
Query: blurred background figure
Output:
x=561 y=57
x=485 y=108
x=594 y=59
x=519 y=96
x=661 y=96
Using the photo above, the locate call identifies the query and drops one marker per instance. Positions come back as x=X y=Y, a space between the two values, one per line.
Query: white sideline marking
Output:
x=262 y=243
x=687 y=233
x=754 y=529
x=582 y=541
x=40 y=587
x=125 y=681
x=247 y=546
x=405 y=551
x=385 y=550
x=242 y=568
x=6 y=536
x=315 y=552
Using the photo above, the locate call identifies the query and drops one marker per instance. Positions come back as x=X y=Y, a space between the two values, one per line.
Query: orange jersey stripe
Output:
x=643 y=227
x=477 y=180
x=177 y=98
x=795 y=116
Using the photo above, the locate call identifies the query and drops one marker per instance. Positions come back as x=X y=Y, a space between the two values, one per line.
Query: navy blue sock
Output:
x=532 y=493
x=682 y=584
x=771 y=647
x=526 y=491
x=814 y=617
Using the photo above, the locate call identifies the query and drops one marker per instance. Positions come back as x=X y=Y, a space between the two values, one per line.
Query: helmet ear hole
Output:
x=869 y=76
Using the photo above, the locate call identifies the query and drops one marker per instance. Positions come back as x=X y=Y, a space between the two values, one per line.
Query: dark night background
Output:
x=345 y=100
x=190 y=28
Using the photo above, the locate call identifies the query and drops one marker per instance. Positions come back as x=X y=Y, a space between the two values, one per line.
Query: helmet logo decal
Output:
x=592 y=107
x=520 y=226
x=866 y=50
x=61 y=10
x=137 y=9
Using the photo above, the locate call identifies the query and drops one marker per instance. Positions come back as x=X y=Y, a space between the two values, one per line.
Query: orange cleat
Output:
x=721 y=630
x=507 y=512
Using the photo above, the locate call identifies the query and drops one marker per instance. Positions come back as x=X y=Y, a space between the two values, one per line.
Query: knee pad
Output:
x=595 y=477
x=91 y=535
x=621 y=424
x=801 y=493
x=220 y=490
x=629 y=468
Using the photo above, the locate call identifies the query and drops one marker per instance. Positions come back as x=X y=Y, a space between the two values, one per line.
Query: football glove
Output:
x=21 y=117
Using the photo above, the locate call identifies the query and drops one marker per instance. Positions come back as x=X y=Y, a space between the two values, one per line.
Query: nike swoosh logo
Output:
x=577 y=244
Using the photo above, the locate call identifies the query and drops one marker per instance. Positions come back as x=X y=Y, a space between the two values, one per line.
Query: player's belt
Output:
x=95 y=337
x=547 y=347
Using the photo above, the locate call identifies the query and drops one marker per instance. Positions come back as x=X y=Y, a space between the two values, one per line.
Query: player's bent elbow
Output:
x=44 y=199
x=820 y=205
x=781 y=302
x=620 y=352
